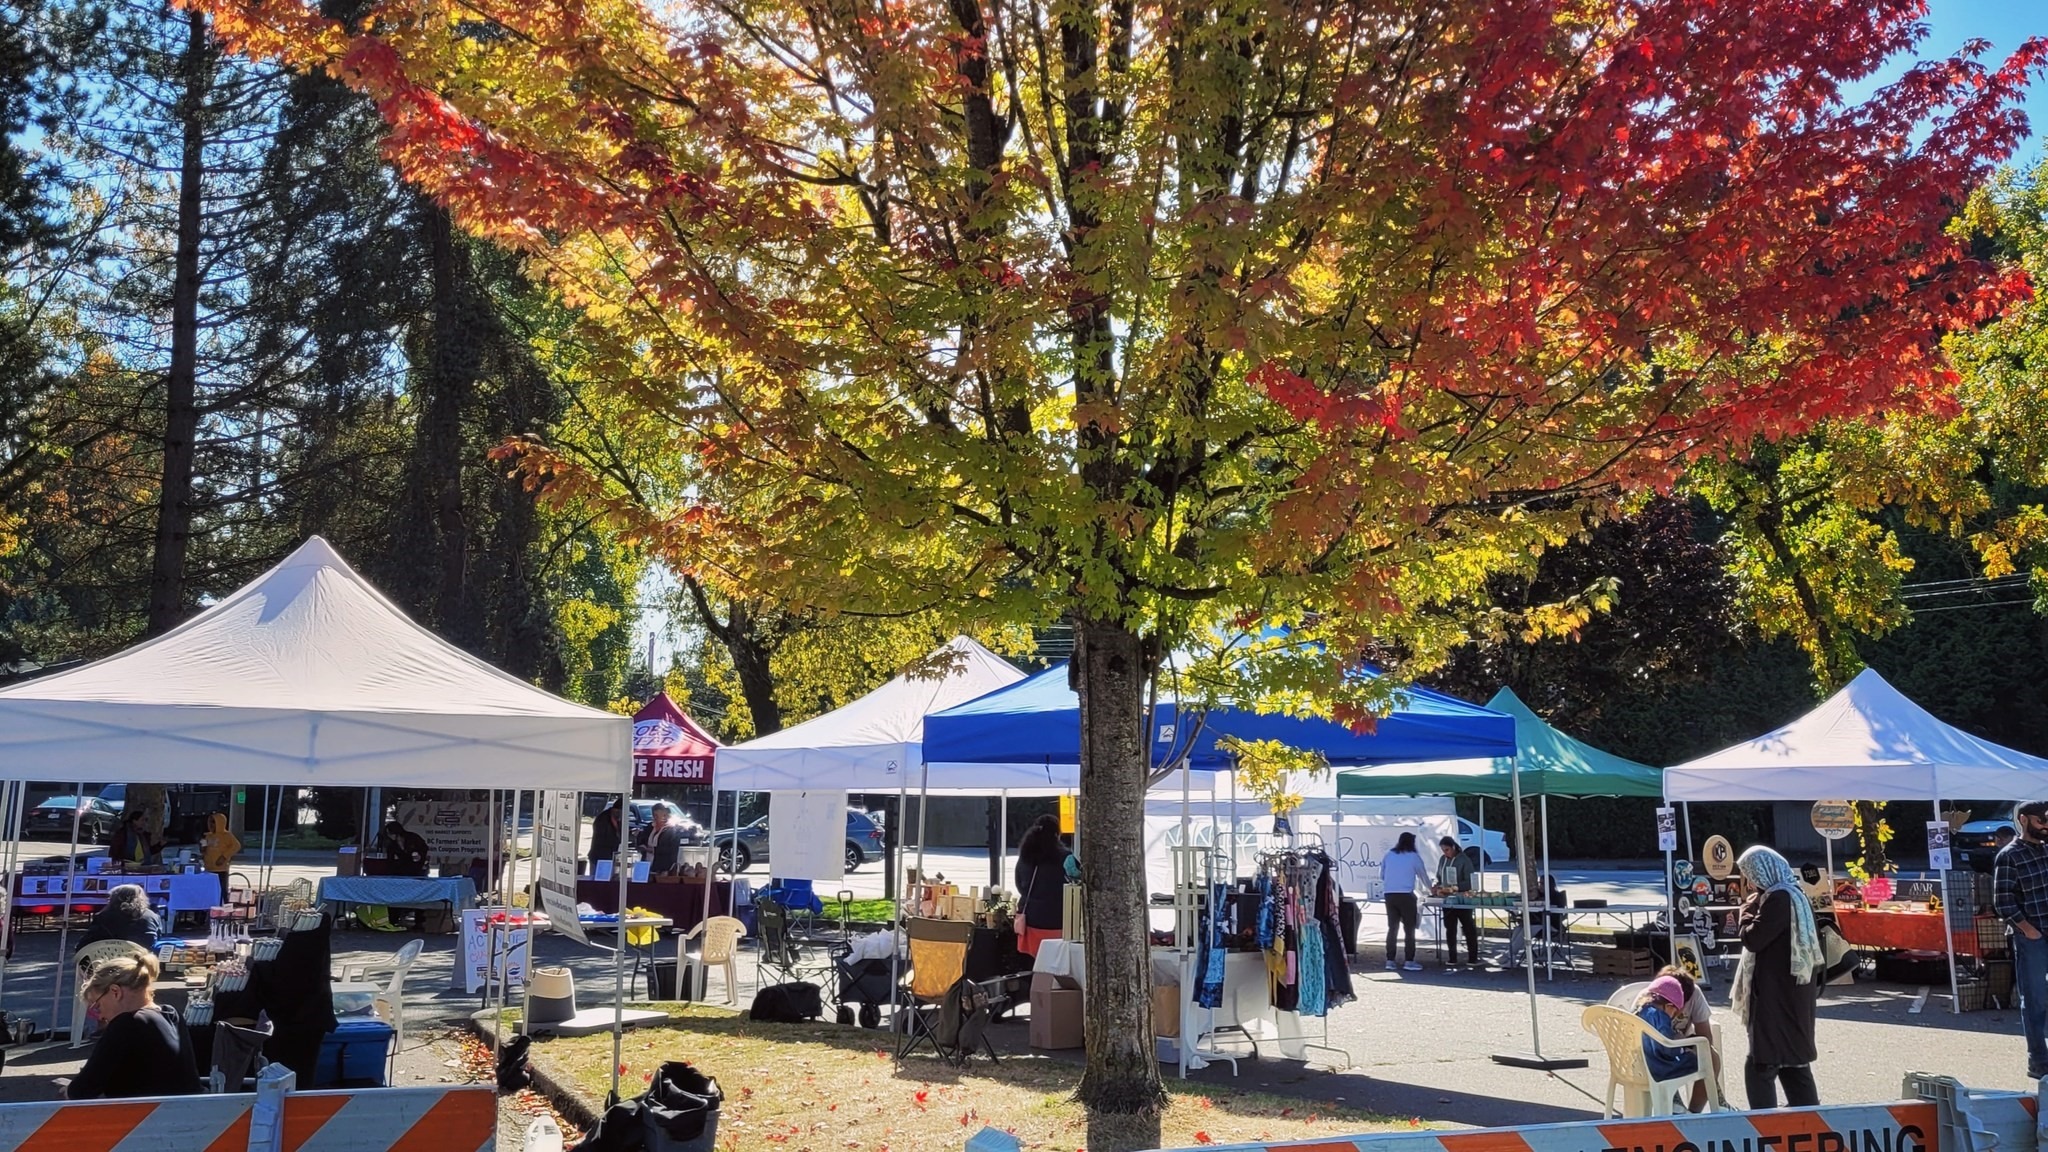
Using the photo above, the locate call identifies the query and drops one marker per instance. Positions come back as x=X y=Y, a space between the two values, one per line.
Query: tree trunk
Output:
x=453 y=373
x=1110 y=672
x=750 y=660
x=181 y=382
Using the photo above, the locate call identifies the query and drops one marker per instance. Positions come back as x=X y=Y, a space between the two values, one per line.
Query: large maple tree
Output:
x=1160 y=316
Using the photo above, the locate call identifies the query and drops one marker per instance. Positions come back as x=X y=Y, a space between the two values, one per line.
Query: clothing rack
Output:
x=1292 y=868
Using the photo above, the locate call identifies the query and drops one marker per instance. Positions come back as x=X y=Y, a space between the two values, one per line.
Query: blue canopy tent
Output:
x=1038 y=722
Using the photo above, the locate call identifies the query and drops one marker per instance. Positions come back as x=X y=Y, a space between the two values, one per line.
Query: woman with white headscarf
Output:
x=1777 y=982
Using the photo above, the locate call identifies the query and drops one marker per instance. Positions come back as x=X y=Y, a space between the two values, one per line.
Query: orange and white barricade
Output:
x=1942 y=1116
x=444 y=1119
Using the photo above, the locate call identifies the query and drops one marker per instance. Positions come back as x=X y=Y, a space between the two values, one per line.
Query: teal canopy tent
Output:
x=1549 y=762
x=1546 y=763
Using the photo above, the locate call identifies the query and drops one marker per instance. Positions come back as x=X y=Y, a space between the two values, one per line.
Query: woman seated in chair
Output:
x=143 y=1049
x=1662 y=1008
x=127 y=916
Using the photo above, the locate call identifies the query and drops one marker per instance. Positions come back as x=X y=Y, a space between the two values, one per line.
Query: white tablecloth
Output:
x=1070 y=959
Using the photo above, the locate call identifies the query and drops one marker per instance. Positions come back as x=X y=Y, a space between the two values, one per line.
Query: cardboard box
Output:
x=1055 y=1012
x=1166 y=1010
x=347 y=862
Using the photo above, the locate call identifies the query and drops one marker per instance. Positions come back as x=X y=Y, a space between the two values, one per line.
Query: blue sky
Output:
x=2005 y=23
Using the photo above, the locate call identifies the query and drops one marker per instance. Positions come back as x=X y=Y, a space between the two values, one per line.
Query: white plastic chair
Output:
x=82 y=963
x=388 y=1002
x=722 y=936
x=1628 y=996
x=1622 y=1034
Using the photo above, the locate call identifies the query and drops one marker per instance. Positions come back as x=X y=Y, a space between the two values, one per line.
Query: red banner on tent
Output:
x=669 y=747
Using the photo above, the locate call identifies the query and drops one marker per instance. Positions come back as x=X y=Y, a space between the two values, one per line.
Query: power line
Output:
x=1960 y=607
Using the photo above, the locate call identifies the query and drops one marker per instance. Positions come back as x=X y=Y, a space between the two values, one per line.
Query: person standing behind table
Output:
x=217 y=850
x=2019 y=896
x=1454 y=878
x=1777 y=982
x=1044 y=865
x=1402 y=874
x=605 y=835
x=144 y=1049
x=405 y=852
x=127 y=916
x=663 y=843
x=131 y=845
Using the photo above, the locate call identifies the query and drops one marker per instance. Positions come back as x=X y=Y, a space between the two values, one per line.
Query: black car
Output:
x=52 y=819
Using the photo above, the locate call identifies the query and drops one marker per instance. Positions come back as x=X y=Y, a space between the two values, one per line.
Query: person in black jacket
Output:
x=605 y=834
x=1044 y=865
x=405 y=852
x=127 y=916
x=143 y=1049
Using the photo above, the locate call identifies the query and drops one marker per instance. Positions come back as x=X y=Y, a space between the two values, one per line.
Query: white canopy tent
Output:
x=1866 y=742
x=872 y=744
x=307 y=675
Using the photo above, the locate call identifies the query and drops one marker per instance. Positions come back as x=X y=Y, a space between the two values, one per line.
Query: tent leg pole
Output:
x=1003 y=841
x=8 y=794
x=924 y=811
x=1482 y=844
x=909 y=894
x=1528 y=932
x=711 y=878
x=1689 y=853
x=619 y=953
x=1955 y=999
x=1543 y=810
x=64 y=931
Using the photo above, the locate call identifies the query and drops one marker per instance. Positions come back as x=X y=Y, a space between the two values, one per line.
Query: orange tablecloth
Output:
x=1920 y=931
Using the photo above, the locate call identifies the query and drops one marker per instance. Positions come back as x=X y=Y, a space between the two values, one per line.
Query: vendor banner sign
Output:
x=457 y=832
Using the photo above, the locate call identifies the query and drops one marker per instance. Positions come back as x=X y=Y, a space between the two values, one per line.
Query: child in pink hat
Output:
x=1662 y=1005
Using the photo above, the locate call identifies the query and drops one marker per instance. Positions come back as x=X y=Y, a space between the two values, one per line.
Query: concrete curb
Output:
x=573 y=1108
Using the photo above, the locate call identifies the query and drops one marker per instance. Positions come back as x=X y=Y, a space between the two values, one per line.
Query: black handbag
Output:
x=679 y=1110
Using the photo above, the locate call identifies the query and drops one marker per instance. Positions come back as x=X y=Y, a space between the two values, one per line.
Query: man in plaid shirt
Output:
x=2019 y=895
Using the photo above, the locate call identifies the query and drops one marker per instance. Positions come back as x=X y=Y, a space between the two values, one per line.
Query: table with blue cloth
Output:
x=455 y=893
x=169 y=892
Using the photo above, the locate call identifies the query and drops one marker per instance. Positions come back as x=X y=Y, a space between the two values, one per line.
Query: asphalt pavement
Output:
x=1415 y=1044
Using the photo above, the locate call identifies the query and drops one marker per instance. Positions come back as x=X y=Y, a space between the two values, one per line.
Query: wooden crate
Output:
x=1623 y=962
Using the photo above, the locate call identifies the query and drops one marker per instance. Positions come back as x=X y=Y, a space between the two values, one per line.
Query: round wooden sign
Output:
x=1718 y=856
x=1833 y=819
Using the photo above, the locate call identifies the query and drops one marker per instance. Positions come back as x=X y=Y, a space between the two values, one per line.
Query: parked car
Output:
x=1496 y=846
x=863 y=842
x=52 y=819
x=115 y=796
x=1976 y=842
x=643 y=815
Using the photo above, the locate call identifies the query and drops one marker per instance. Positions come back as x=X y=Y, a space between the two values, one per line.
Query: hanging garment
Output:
x=1313 y=988
x=1281 y=965
x=1209 y=994
x=1329 y=910
x=1267 y=912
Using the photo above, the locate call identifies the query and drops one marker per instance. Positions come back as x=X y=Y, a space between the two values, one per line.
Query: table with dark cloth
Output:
x=682 y=904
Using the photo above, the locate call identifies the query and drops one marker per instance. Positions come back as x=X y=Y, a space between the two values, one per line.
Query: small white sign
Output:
x=1939 y=858
x=1667 y=829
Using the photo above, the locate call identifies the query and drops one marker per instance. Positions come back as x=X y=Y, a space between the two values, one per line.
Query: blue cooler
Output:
x=353 y=1055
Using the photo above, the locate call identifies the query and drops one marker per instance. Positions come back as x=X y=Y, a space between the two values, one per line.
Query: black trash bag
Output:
x=787 y=1004
x=679 y=1110
x=513 y=1074
x=620 y=1129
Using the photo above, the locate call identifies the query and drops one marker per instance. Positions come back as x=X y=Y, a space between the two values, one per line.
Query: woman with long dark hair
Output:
x=1402 y=873
x=1044 y=865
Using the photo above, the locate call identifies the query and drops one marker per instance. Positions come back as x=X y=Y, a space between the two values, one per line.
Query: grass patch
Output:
x=823 y=1086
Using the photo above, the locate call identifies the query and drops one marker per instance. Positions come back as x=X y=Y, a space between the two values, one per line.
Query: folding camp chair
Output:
x=787 y=958
x=947 y=1011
